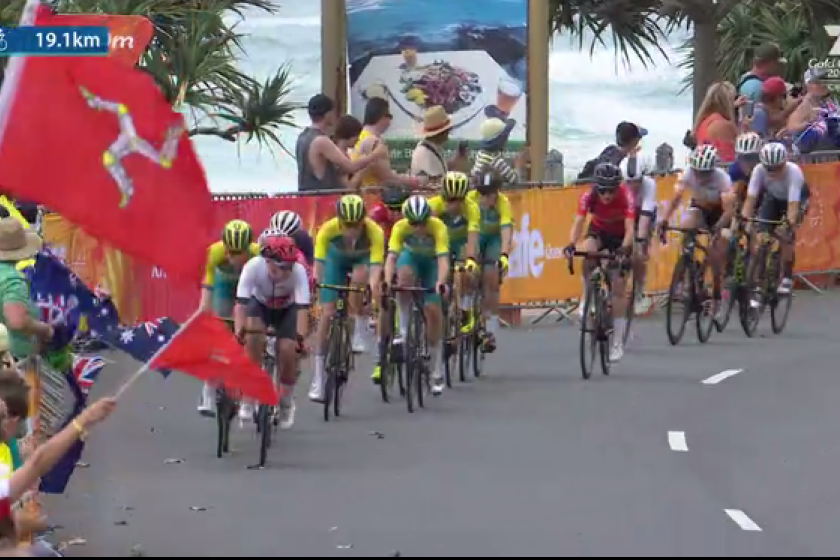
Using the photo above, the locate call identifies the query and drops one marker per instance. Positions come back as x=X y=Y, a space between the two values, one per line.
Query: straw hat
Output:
x=17 y=244
x=495 y=131
x=435 y=121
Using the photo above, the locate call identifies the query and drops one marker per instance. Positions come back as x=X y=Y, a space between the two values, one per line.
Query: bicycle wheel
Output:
x=265 y=429
x=680 y=286
x=754 y=297
x=451 y=323
x=704 y=316
x=387 y=367
x=589 y=329
x=331 y=364
x=225 y=412
x=464 y=355
x=411 y=352
x=605 y=331
x=345 y=353
x=780 y=304
x=734 y=259
x=421 y=377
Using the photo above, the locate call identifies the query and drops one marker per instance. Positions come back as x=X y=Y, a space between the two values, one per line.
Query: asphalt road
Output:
x=530 y=460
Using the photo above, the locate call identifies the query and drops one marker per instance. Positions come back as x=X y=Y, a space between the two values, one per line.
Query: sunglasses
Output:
x=775 y=168
x=235 y=253
x=454 y=198
x=418 y=223
x=282 y=265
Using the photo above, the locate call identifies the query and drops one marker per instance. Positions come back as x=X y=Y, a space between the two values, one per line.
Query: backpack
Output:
x=611 y=154
x=747 y=78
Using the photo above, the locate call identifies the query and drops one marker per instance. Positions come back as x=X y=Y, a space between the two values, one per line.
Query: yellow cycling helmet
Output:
x=237 y=235
x=351 y=208
x=456 y=185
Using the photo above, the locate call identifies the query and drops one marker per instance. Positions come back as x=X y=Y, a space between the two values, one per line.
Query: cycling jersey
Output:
x=705 y=191
x=787 y=185
x=645 y=196
x=607 y=217
x=434 y=242
x=305 y=245
x=495 y=218
x=381 y=214
x=221 y=277
x=330 y=242
x=255 y=282
x=459 y=226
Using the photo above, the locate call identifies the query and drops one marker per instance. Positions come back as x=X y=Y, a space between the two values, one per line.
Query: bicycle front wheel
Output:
x=451 y=321
x=781 y=303
x=589 y=325
x=345 y=353
x=704 y=316
x=265 y=429
x=676 y=318
x=413 y=359
x=332 y=364
x=755 y=299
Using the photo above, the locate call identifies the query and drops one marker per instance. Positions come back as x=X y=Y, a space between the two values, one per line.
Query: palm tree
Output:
x=193 y=59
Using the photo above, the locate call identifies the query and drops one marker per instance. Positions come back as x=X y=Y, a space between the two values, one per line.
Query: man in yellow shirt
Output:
x=419 y=251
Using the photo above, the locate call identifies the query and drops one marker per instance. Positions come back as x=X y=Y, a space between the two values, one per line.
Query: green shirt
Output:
x=15 y=289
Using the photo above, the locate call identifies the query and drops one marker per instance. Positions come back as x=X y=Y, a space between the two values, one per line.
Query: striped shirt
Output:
x=494 y=160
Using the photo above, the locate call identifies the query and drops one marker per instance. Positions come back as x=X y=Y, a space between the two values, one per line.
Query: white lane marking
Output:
x=715 y=379
x=677 y=441
x=743 y=520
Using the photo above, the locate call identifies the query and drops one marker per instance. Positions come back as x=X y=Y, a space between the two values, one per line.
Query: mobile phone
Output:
x=748 y=110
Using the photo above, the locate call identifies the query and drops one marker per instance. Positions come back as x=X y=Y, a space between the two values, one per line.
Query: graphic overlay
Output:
x=468 y=57
x=55 y=41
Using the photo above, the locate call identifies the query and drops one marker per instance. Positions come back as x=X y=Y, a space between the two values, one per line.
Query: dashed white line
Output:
x=715 y=379
x=743 y=520
x=677 y=441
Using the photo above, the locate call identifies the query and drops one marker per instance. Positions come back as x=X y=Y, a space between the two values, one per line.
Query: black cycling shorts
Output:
x=774 y=209
x=282 y=321
x=608 y=241
x=710 y=215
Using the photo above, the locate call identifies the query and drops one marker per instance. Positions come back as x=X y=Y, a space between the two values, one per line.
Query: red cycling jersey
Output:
x=608 y=217
x=382 y=216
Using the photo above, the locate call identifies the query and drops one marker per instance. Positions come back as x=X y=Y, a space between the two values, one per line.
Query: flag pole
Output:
x=145 y=367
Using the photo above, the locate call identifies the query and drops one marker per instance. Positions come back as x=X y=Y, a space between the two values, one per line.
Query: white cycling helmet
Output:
x=635 y=167
x=703 y=158
x=286 y=222
x=773 y=154
x=269 y=232
x=748 y=144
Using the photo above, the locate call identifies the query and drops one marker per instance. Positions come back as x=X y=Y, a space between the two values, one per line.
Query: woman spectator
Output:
x=716 y=120
x=769 y=115
x=347 y=131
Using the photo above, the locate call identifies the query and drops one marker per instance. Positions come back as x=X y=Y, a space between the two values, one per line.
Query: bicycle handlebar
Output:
x=783 y=221
x=699 y=231
x=600 y=256
x=356 y=289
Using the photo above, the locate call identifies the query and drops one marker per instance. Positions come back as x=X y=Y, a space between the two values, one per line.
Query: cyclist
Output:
x=785 y=196
x=712 y=206
x=225 y=260
x=494 y=243
x=388 y=211
x=274 y=292
x=638 y=181
x=351 y=243
x=747 y=148
x=419 y=252
x=613 y=210
x=463 y=221
x=289 y=223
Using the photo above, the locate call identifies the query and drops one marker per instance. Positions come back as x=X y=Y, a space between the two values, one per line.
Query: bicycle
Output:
x=687 y=285
x=598 y=311
x=266 y=417
x=473 y=343
x=339 y=360
x=453 y=321
x=737 y=261
x=227 y=407
x=391 y=368
x=766 y=266
x=416 y=347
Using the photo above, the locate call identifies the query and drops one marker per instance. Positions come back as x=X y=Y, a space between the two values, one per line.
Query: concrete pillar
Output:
x=538 y=37
x=334 y=51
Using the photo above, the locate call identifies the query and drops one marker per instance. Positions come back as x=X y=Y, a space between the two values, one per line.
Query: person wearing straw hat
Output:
x=428 y=159
x=17 y=311
x=494 y=138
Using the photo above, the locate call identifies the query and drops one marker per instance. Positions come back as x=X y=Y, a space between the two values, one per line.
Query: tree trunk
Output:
x=705 y=52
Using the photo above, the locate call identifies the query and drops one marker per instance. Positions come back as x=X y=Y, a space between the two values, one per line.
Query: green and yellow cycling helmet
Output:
x=351 y=209
x=456 y=185
x=237 y=235
x=417 y=210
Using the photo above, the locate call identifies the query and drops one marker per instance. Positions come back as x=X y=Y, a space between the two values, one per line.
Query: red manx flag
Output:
x=97 y=142
x=205 y=348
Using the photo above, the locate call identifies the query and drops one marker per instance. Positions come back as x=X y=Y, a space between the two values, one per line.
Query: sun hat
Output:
x=17 y=244
x=435 y=121
x=495 y=131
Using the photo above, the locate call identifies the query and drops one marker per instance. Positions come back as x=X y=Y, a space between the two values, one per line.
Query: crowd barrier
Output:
x=538 y=272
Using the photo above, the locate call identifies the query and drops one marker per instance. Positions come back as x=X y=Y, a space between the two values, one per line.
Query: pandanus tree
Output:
x=193 y=57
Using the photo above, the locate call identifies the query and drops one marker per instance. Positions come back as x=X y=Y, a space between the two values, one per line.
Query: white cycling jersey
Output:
x=786 y=185
x=702 y=189
x=645 y=195
x=256 y=282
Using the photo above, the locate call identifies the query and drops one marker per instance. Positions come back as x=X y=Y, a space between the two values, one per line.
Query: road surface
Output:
x=529 y=461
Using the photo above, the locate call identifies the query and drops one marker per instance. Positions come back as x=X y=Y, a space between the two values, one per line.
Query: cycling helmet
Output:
x=237 y=235
x=351 y=208
x=748 y=144
x=455 y=185
x=286 y=222
x=416 y=209
x=634 y=168
x=394 y=197
x=278 y=248
x=607 y=175
x=488 y=180
x=773 y=154
x=703 y=158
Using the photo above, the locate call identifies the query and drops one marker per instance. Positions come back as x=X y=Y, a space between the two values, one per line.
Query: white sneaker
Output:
x=359 y=345
x=316 y=390
x=287 y=414
x=785 y=287
x=398 y=339
x=616 y=352
x=246 y=411
x=438 y=384
x=208 y=401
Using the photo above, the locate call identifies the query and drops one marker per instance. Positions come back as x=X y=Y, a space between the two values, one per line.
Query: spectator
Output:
x=321 y=164
x=494 y=137
x=17 y=312
x=715 y=122
x=768 y=62
x=770 y=114
x=627 y=139
x=347 y=132
x=429 y=159
x=377 y=121
x=814 y=122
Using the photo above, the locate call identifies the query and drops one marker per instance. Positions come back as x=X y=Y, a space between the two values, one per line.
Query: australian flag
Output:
x=144 y=339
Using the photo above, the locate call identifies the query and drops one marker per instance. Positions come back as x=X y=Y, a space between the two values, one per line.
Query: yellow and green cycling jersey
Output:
x=433 y=242
x=221 y=277
x=493 y=219
x=459 y=225
x=331 y=243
